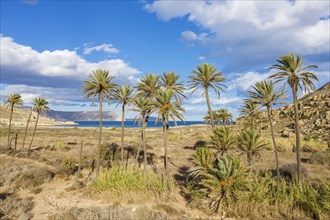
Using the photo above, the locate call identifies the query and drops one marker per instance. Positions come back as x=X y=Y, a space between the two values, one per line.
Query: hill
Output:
x=314 y=115
x=82 y=116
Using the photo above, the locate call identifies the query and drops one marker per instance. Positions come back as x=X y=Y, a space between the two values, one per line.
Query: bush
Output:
x=174 y=137
x=69 y=166
x=131 y=180
x=33 y=177
x=322 y=158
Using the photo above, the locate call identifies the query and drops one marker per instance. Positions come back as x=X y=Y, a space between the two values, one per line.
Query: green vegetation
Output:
x=292 y=71
x=131 y=180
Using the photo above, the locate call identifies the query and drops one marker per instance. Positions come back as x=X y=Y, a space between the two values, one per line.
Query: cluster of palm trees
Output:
x=263 y=94
x=221 y=116
x=38 y=104
x=161 y=95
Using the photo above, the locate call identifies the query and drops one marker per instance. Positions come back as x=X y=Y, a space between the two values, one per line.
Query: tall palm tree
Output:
x=99 y=84
x=143 y=106
x=263 y=94
x=206 y=76
x=251 y=144
x=123 y=95
x=40 y=105
x=148 y=86
x=169 y=81
x=250 y=111
x=27 y=126
x=225 y=116
x=223 y=139
x=167 y=108
x=292 y=71
x=12 y=101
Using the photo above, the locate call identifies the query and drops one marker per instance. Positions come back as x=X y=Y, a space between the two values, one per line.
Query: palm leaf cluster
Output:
x=221 y=116
x=223 y=139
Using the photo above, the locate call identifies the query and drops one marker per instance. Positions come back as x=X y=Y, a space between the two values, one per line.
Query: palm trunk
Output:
x=139 y=149
x=9 y=129
x=144 y=147
x=296 y=114
x=26 y=128
x=98 y=159
x=165 y=148
x=34 y=132
x=249 y=160
x=275 y=147
x=209 y=107
x=122 y=134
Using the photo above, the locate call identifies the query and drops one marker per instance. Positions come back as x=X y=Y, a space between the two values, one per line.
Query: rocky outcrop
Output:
x=83 y=116
x=314 y=115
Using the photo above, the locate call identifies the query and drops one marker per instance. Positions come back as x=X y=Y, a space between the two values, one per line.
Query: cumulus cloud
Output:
x=252 y=32
x=246 y=80
x=191 y=36
x=26 y=65
x=107 y=48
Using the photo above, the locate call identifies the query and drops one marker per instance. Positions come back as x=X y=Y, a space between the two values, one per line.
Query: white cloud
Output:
x=250 y=32
x=17 y=58
x=201 y=58
x=107 y=48
x=246 y=80
x=191 y=36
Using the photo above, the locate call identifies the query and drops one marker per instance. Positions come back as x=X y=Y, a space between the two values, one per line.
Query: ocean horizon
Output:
x=129 y=124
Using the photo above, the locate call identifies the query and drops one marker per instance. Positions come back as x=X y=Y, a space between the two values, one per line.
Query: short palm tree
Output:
x=12 y=101
x=169 y=80
x=206 y=76
x=250 y=111
x=263 y=94
x=123 y=95
x=99 y=84
x=207 y=118
x=222 y=139
x=167 y=108
x=225 y=180
x=40 y=105
x=224 y=116
x=27 y=126
x=143 y=106
x=297 y=76
x=204 y=160
x=251 y=144
x=148 y=86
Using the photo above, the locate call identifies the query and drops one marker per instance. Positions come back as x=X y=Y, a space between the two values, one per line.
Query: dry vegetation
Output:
x=45 y=182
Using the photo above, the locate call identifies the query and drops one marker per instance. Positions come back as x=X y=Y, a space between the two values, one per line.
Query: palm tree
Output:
x=143 y=106
x=99 y=84
x=148 y=86
x=207 y=118
x=167 y=108
x=223 y=139
x=123 y=95
x=251 y=144
x=206 y=76
x=264 y=95
x=224 y=116
x=40 y=105
x=225 y=179
x=12 y=101
x=27 y=126
x=250 y=111
x=169 y=81
x=292 y=71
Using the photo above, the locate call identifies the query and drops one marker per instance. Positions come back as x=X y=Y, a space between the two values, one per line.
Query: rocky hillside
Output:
x=314 y=115
x=83 y=116
x=21 y=115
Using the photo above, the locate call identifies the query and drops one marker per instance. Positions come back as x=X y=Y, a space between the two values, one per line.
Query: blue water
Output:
x=130 y=124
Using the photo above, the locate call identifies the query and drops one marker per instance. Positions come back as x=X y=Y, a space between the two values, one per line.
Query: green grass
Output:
x=131 y=180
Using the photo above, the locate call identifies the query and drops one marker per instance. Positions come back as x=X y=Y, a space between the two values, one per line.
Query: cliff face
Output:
x=82 y=116
x=314 y=115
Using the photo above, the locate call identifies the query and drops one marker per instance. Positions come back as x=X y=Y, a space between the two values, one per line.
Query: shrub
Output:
x=131 y=180
x=322 y=158
x=69 y=166
x=33 y=177
x=174 y=137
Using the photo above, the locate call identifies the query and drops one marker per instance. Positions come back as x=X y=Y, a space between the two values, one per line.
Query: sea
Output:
x=129 y=124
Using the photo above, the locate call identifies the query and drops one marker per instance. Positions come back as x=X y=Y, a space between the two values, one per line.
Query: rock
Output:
x=322 y=158
x=289 y=171
x=285 y=133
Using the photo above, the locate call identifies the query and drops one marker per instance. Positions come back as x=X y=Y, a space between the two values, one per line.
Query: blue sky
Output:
x=49 y=47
